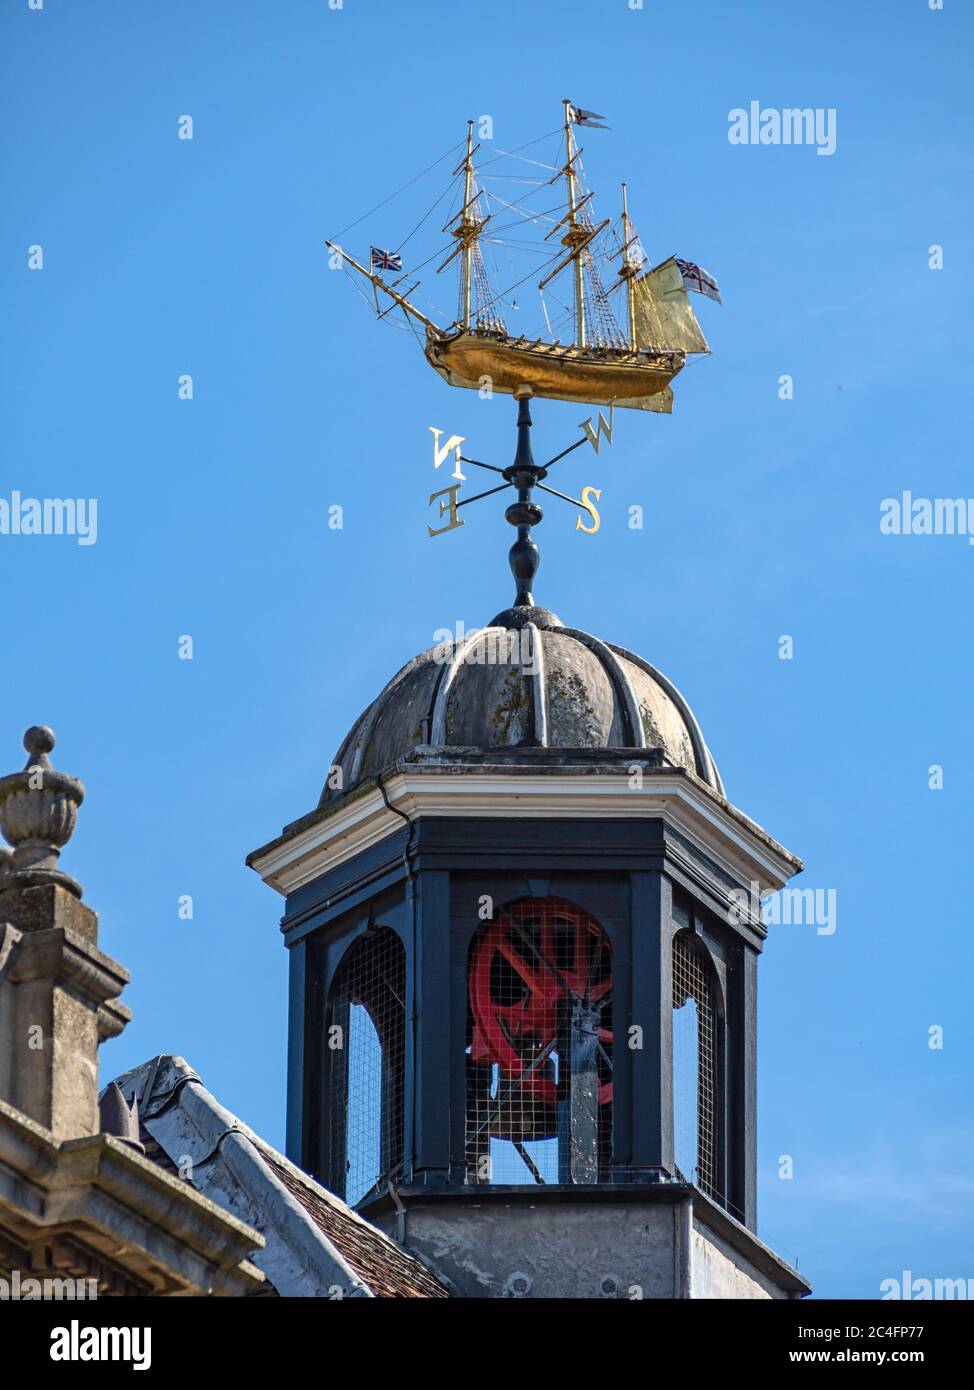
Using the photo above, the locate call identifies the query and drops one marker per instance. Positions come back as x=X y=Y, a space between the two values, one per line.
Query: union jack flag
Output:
x=696 y=278
x=385 y=260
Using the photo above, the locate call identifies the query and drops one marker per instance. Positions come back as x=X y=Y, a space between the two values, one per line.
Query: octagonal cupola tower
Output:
x=523 y=932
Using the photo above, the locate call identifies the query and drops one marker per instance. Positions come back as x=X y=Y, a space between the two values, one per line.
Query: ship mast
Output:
x=629 y=269
x=572 y=237
x=579 y=235
x=468 y=243
x=467 y=232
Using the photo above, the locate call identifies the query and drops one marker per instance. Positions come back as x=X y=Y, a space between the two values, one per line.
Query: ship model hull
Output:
x=590 y=376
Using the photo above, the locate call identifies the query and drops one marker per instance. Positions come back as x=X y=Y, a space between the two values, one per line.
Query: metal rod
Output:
x=563 y=495
x=477 y=464
x=553 y=970
x=489 y=493
x=578 y=442
x=528 y=1161
x=516 y=1081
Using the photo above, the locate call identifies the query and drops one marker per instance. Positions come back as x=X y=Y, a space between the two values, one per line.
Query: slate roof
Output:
x=316 y=1246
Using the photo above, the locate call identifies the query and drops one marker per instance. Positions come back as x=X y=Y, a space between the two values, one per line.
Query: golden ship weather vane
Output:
x=601 y=364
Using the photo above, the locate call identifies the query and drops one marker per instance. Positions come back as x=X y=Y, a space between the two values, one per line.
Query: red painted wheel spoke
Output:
x=523 y=951
x=531 y=977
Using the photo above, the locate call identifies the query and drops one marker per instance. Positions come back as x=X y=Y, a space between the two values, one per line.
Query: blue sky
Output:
x=164 y=256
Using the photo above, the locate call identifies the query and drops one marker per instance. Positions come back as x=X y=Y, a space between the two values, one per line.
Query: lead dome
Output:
x=524 y=684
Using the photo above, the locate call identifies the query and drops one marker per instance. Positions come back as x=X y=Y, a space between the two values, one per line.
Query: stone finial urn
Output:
x=38 y=810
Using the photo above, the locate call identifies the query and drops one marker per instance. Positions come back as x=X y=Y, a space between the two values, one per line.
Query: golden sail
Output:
x=601 y=363
x=663 y=312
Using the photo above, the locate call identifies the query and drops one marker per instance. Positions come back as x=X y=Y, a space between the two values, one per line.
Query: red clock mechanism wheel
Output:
x=526 y=970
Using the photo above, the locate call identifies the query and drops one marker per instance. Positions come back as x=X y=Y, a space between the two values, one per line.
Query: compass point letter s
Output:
x=587 y=494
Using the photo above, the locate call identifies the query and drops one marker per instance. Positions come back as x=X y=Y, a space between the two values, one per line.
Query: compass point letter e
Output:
x=446 y=508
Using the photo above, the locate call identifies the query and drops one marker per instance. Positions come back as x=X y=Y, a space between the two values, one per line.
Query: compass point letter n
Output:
x=441 y=452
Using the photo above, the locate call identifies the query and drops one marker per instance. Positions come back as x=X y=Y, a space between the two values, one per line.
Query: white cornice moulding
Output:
x=725 y=834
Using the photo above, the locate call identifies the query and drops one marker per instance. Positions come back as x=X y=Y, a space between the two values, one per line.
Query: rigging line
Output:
x=531 y=192
x=514 y=178
x=566 y=308
x=456 y=201
x=511 y=154
x=524 y=239
x=412 y=326
x=530 y=276
x=523 y=221
x=497 y=232
x=517 y=245
x=424 y=217
x=567 y=313
x=530 y=214
x=451 y=150
x=394 y=323
x=433 y=307
x=435 y=256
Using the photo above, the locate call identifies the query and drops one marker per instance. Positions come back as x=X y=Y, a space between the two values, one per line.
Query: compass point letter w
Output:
x=594 y=437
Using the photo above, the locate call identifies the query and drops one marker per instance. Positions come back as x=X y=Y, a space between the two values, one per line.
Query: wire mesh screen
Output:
x=694 y=1066
x=365 y=1038
x=539 y=1047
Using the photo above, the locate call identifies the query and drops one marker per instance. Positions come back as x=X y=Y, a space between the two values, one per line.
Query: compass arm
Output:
x=477 y=464
x=489 y=493
x=563 y=495
x=570 y=449
x=524 y=475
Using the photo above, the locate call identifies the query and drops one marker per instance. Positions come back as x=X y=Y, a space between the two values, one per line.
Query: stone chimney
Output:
x=58 y=992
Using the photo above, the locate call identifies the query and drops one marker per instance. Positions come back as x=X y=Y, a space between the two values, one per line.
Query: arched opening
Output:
x=365 y=1041
x=694 y=1065
x=539 y=1046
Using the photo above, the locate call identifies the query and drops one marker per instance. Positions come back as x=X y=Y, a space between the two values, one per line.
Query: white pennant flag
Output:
x=588 y=118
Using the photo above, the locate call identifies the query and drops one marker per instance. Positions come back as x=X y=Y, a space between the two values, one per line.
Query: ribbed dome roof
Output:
x=526 y=681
